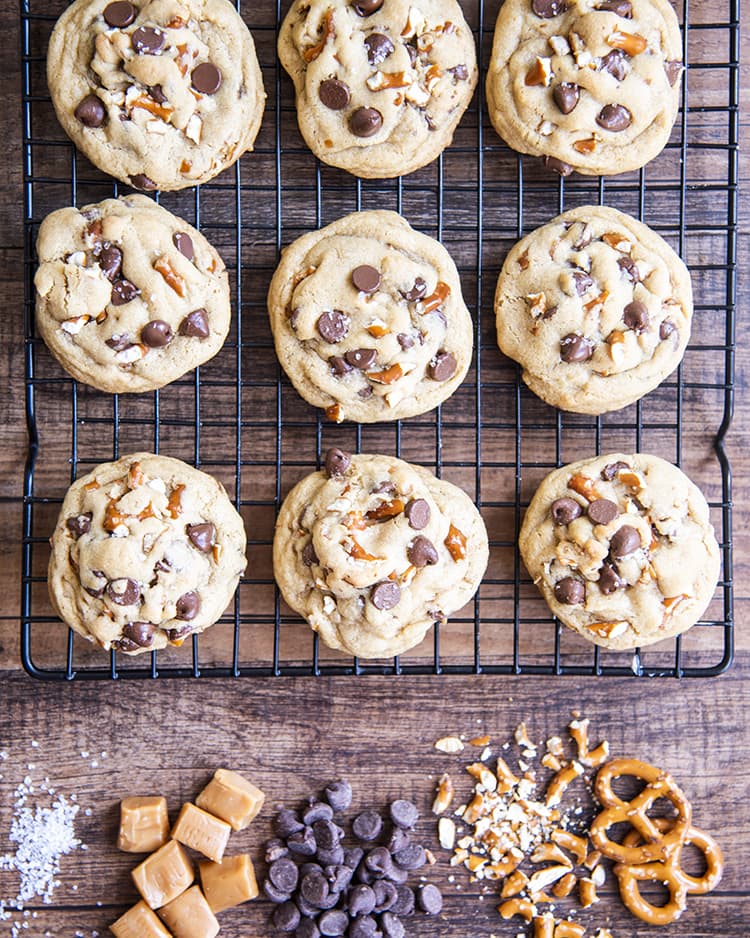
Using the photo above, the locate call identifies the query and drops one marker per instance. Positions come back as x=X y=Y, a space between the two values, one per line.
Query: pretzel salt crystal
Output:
x=657 y=844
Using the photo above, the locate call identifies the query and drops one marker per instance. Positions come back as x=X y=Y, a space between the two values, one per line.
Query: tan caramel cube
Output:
x=228 y=883
x=202 y=832
x=190 y=916
x=232 y=798
x=144 y=824
x=139 y=922
x=164 y=875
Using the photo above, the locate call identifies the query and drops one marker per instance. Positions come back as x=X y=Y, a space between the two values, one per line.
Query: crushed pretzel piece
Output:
x=587 y=892
x=444 y=794
x=593 y=859
x=513 y=907
x=544 y=926
x=446 y=833
x=571 y=842
x=563 y=887
x=514 y=884
x=541 y=879
x=560 y=781
x=449 y=744
x=550 y=853
x=483 y=775
x=481 y=741
x=567 y=929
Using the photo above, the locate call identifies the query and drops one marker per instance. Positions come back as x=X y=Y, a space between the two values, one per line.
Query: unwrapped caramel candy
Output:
x=228 y=883
x=190 y=916
x=232 y=798
x=139 y=922
x=201 y=831
x=164 y=875
x=144 y=824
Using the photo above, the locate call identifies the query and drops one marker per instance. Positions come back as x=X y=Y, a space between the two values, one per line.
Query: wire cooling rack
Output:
x=238 y=417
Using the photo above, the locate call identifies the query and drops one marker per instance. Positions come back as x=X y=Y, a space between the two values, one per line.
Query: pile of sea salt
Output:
x=43 y=831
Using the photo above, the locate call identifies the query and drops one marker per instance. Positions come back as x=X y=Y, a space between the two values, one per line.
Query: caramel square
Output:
x=232 y=798
x=144 y=824
x=164 y=875
x=228 y=883
x=190 y=916
x=201 y=831
x=139 y=922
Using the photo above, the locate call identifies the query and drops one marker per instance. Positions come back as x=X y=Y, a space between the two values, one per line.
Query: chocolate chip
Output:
x=184 y=244
x=614 y=117
x=673 y=70
x=314 y=889
x=337 y=462
x=570 y=590
x=611 y=469
x=333 y=923
x=364 y=927
x=459 y=72
x=157 y=93
x=367 y=7
x=575 y=348
x=416 y=292
x=362 y=358
x=119 y=14
x=564 y=510
x=361 y=900
x=339 y=366
x=417 y=513
x=307 y=929
x=274 y=894
x=413 y=54
x=421 y=552
x=326 y=833
x=365 y=122
x=628 y=266
x=339 y=795
x=379 y=47
x=666 y=329
x=404 y=813
x=286 y=917
x=110 y=261
x=90 y=112
x=188 y=606
x=367 y=825
x=333 y=326
x=119 y=342
x=582 y=281
x=635 y=316
x=365 y=393
x=397 y=875
x=546 y=9
x=623 y=8
x=317 y=811
x=330 y=856
x=385 y=486
x=405 y=341
x=79 y=524
x=287 y=822
x=339 y=876
x=309 y=557
x=366 y=278
x=195 y=325
x=398 y=840
x=429 y=897
x=302 y=842
x=385 y=895
x=148 y=40
x=443 y=366
x=157 y=333
x=566 y=95
x=275 y=850
x=334 y=94
x=378 y=861
x=353 y=856
x=142 y=633
x=624 y=541
x=391 y=926
x=142 y=181
x=202 y=536
x=404 y=904
x=557 y=166
x=385 y=595
x=411 y=858
x=206 y=78
x=615 y=62
x=602 y=511
x=123 y=291
x=284 y=875
x=609 y=580
x=124 y=591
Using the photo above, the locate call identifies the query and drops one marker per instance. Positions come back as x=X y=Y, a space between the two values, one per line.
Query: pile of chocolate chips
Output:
x=323 y=888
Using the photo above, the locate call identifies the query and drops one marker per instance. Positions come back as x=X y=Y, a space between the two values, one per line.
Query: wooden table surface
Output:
x=291 y=736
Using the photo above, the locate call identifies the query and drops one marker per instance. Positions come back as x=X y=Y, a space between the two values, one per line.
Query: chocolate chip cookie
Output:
x=146 y=551
x=596 y=308
x=129 y=297
x=162 y=94
x=592 y=87
x=381 y=84
x=368 y=319
x=372 y=551
x=622 y=548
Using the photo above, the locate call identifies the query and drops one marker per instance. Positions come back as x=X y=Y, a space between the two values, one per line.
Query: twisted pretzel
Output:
x=696 y=885
x=665 y=873
x=656 y=844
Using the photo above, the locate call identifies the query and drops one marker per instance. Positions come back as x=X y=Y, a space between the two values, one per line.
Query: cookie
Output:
x=162 y=94
x=590 y=86
x=369 y=320
x=596 y=308
x=146 y=551
x=622 y=549
x=381 y=84
x=129 y=297
x=372 y=551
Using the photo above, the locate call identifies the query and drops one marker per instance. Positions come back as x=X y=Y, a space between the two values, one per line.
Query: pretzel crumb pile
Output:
x=528 y=834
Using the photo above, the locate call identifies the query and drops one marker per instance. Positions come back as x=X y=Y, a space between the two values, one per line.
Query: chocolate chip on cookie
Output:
x=79 y=524
x=635 y=316
x=421 y=552
x=110 y=261
x=582 y=281
x=609 y=579
x=602 y=511
x=339 y=366
x=333 y=326
x=184 y=244
x=416 y=292
x=571 y=591
x=334 y=94
x=123 y=291
x=367 y=7
x=614 y=117
x=673 y=71
x=379 y=47
x=624 y=541
x=157 y=334
x=148 y=40
x=547 y=9
x=202 y=536
x=91 y=112
x=615 y=62
x=120 y=14
x=365 y=122
x=188 y=606
x=385 y=595
x=629 y=267
x=575 y=348
x=417 y=512
x=611 y=470
x=140 y=633
x=361 y=358
x=206 y=78
x=566 y=96
x=124 y=591
x=623 y=8
x=564 y=510
x=366 y=279
x=443 y=366
x=666 y=329
x=143 y=182
x=337 y=462
x=557 y=166
x=195 y=325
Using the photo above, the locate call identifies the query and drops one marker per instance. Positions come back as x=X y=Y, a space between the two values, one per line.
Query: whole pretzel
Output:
x=696 y=885
x=668 y=874
x=656 y=844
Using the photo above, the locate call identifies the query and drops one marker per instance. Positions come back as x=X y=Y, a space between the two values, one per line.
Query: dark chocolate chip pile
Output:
x=323 y=887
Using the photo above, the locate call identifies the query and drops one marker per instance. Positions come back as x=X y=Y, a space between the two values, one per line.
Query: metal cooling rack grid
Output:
x=238 y=417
